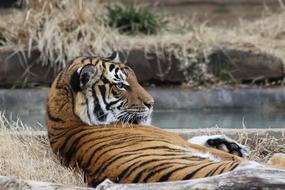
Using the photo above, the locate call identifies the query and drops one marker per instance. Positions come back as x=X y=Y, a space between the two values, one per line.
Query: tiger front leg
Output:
x=221 y=142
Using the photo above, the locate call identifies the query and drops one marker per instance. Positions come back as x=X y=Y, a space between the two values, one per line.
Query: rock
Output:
x=153 y=68
x=24 y=69
x=245 y=65
x=21 y=68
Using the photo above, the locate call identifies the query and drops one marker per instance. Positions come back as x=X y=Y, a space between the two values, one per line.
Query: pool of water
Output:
x=219 y=118
x=186 y=119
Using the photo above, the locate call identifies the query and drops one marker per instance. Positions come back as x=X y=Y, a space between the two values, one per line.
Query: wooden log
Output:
x=10 y=183
x=250 y=178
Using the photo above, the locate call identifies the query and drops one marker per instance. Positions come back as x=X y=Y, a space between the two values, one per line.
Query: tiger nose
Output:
x=149 y=104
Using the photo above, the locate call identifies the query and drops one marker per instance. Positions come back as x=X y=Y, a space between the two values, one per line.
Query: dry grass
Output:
x=31 y=158
x=62 y=30
x=262 y=148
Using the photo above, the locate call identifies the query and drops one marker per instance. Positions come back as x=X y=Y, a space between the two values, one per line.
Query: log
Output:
x=247 y=178
x=11 y=183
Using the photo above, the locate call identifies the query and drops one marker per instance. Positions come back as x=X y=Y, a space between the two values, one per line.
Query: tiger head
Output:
x=107 y=91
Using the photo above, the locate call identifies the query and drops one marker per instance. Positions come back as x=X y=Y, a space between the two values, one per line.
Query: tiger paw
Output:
x=223 y=143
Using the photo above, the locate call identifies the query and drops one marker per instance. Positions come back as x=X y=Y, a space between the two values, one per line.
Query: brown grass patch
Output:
x=30 y=158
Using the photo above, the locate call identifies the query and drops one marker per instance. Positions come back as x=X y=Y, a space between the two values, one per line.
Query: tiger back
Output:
x=98 y=119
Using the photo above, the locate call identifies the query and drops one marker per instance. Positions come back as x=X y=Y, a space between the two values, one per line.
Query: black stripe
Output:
x=88 y=110
x=115 y=142
x=211 y=172
x=91 y=146
x=139 y=175
x=233 y=167
x=74 y=147
x=104 y=80
x=132 y=141
x=96 y=138
x=106 y=145
x=97 y=61
x=150 y=148
x=100 y=114
x=146 y=155
x=63 y=135
x=77 y=130
x=102 y=89
x=75 y=82
x=130 y=171
x=222 y=171
x=112 y=66
x=61 y=131
x=133 y=153
x=189 y=176
x=111 y=103
x=59 y=78
x=84 y=59
x=149 y=175
x=166 y=176
x=120 y=106
x=74 y=143
x=123 y=173
x=117 y=77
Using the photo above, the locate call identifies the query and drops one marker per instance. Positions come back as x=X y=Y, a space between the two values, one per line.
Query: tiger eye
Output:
x=120 y=85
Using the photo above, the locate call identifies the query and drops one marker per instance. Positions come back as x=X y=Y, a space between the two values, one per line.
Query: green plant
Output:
x=133 y=20
x=221 y=9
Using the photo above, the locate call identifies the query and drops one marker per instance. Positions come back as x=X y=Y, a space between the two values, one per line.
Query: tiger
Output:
x=99 y=123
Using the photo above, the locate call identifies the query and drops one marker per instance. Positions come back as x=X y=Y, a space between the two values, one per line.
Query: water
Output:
x=225 y=118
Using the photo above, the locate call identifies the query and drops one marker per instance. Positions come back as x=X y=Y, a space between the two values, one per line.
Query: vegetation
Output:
x=61 y=30
x=30 y=158
x=134 y=20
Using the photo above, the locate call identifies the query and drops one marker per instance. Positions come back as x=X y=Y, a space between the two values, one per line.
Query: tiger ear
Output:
x=88 y=74
x=116 y=56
